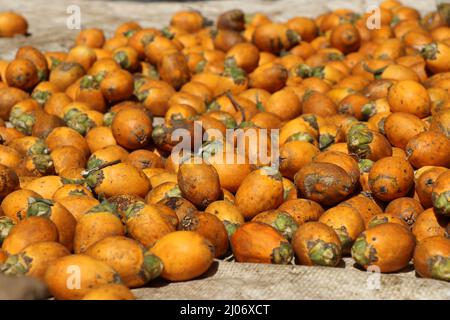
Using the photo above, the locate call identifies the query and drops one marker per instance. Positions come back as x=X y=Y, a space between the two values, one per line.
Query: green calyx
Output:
x=368 y=110
x=94 y=162
x=152 y=73
x=77 y=192
x=55 y=62
x=175 y=192
x=395 y=20
x=365 y=165
x=159 y=134
x=41 y=97
x=301 y=136
x=71 y=114
x=39 y=147
x=42 y=162
x=286 y=192
x=94 y=178
x=362 y=252
x=42 y=74
x=325 y=140
x=303 y=71
x=146 y=39
x=22 y=121
x=247 y=124
x=39 y=207
x=230 y=62
x=151 y=267
x=231 y=228
x=323 y=253
x=238 y=75
x=334 y=56
x=89 y=82
x=105 y=206
x=310 y=118
x=381 y=126
x=293 y=37
x=441 y=202
x=376 y=72
x=200 y=66
x=141 y=95
x=133 y=210
x=129 y=33
x=108 y=118
x=6 y=224
x=122 y=59
x=318 y=72
x=358 y=139
x=72 y=181
x=78 y=121
x=166 y=33
x=282 y=254
x=211 y=148
x=429 y=51
x=213 y=33
x=213 y=106
x=439 y=267
x=377 y=221
x=230 y=123
x=260 y=106
x=100 y=76
x=286 y=225
x=345 y=239
x=16 y=265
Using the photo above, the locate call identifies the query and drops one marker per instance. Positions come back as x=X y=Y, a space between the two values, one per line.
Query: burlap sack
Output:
x=229 y=281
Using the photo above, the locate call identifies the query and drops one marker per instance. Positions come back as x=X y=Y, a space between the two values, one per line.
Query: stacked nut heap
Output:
x=95 y=202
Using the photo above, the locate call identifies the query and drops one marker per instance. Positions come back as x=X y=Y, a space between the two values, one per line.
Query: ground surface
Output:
x=226 y=280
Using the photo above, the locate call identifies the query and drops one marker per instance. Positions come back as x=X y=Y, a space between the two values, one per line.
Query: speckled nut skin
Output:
x=199 y=182
x=432 y=258
x=430 y=223
x=346 y=222
x=261 y=190
x=210 y=227
x=188 y=246
x=325 y=183
x=440 y=194
x=92 y=271
x=387 y=246
x=391 y=178
x=280 y=220
x=429 y=148
x=367 y=144
x=316 y=243
x=424 y=181
x=258 y=242
x=134 y=264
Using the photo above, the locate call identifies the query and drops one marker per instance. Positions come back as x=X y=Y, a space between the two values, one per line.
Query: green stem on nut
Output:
x=39 y=207
x=152 y=267
x=362 y=252
x=285 y=224
x=6 y=224
x=283 y=254
x=439 y=267
x=441 y=202
x=323 y=253
x=16 y=265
